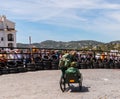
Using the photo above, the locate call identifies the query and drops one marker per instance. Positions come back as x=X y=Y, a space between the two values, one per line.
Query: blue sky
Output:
x=64 y=20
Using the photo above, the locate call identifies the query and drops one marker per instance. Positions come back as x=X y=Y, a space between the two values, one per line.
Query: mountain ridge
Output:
x=82 y=44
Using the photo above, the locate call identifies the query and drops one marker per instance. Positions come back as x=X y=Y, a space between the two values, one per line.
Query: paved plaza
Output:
x=97 y=84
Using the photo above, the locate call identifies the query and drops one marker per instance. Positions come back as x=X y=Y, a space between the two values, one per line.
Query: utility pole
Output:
x=30 y=41
x=30 y=45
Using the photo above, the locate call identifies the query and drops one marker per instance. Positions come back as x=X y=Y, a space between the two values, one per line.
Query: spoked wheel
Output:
x=80 y=82
x=80 y=85
x=62 y=84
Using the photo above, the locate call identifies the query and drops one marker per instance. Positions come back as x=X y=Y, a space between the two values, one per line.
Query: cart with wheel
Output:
x=69 y=79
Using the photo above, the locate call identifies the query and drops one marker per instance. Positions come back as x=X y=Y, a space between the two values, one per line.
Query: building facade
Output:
x=7 y=33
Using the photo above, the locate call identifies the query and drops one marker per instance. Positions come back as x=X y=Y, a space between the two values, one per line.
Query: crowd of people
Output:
x=49 y=58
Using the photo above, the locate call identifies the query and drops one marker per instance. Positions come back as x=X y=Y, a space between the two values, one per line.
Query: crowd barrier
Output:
x=17 y=60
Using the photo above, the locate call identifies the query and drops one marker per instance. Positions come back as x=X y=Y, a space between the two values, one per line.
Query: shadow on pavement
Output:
x=77 y=89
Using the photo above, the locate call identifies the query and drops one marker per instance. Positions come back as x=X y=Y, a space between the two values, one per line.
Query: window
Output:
x=10 y=44
x=10 y=37
x=2 y=39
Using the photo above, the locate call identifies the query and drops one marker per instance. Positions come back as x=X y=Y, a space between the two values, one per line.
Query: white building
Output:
x=7 y=33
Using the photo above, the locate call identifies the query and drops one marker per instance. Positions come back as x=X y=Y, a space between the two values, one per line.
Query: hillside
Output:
x=60 y=44
x=83 y=44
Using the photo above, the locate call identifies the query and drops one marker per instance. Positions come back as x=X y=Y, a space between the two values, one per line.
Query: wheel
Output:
x=5 y=70
x=62 y=84
x=30 y=67
x=80 y=82
x=80 y=85
x=13 y=70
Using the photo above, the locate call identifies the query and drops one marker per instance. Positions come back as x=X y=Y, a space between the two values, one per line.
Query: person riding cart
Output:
x=70 y=72
x=66 y=61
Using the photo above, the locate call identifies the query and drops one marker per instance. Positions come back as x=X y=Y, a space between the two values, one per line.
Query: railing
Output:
x=14 y=60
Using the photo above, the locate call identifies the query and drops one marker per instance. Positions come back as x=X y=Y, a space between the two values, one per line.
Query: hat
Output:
x=73 y=64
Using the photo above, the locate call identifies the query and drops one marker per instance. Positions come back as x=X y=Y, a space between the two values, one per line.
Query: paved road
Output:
x=97 y=84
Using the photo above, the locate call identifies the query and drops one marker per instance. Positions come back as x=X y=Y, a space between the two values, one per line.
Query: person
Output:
x=73 y=69
x=74 y=56
x=64 y=63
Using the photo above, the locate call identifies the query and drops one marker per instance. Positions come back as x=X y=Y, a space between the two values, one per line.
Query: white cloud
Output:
x=114 y=16
x=45 y=9
x=90 y=15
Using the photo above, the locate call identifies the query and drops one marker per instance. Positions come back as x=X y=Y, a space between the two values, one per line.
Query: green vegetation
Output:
x=80 y=45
